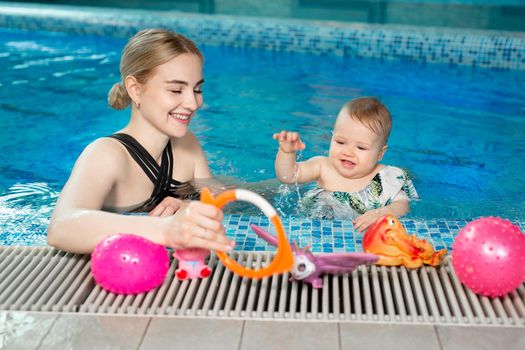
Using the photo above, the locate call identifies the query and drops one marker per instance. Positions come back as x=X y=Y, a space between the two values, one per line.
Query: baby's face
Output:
x=354 y=149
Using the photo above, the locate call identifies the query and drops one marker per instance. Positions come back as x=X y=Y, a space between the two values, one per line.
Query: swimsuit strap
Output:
x=159 y=175
x=141 y=156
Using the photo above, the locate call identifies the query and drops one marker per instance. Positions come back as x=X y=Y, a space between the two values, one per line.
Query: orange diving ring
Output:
x=283 y=260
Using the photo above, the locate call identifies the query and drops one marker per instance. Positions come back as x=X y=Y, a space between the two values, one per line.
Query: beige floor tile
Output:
x=95 y=332
x=21 y=330
x=388 y=336
x=289 y=335
x=192 y=333
x=480 y=338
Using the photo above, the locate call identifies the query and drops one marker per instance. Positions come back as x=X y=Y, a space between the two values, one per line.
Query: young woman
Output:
x=149 y=165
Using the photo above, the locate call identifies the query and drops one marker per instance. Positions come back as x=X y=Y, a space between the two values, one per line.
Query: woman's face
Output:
x=172 y=95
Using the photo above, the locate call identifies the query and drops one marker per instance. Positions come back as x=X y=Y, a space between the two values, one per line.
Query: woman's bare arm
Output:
x=78 y=223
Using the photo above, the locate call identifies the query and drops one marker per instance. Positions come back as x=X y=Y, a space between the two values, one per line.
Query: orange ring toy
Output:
x=283 y=260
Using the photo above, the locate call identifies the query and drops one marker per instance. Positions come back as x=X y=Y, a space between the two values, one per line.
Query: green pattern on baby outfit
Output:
x=408 y=185
x=388 y=185
x=355 y=203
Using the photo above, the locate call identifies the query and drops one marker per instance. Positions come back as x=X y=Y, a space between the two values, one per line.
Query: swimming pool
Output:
x=458 y=129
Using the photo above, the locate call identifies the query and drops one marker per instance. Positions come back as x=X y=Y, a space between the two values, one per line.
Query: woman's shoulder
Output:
x=105 y=150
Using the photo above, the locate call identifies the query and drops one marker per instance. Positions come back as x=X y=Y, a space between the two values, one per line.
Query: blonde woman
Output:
x=149 y=165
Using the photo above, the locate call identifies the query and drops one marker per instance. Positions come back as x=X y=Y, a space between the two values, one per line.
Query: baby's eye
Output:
x=197 y=91
x=176 y=91
x=339 y=142
x=361 y=148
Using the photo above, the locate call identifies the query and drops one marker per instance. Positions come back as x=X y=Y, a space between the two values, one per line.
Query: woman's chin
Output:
x=178 y=131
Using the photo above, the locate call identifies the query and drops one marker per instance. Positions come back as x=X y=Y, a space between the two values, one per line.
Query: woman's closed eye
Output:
x=180 y=91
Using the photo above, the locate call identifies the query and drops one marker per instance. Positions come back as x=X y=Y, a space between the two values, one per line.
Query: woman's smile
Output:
x=183 y=118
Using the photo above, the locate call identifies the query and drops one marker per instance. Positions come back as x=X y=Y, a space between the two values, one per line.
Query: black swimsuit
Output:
x=165 y=186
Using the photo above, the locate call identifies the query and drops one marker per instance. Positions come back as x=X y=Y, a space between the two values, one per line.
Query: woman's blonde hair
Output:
x=145 y=51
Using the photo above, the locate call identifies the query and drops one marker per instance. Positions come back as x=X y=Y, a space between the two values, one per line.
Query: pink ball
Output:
x=488 y=256
x=129 y=264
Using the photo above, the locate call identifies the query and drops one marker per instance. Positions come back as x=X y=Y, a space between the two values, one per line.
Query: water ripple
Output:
x=25 y=210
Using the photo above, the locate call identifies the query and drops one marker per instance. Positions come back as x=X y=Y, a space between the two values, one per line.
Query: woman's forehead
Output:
x=185 y=67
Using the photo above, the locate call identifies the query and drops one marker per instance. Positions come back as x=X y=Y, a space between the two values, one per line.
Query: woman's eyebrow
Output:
x=182 y=82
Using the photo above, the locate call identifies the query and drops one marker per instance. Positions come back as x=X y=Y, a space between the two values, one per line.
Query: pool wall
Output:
x=479 y=14
x=490 y=49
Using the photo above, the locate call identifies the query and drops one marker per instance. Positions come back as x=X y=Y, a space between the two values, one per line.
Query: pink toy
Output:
x=191 y=263
x=488 y=256
x=129 y=264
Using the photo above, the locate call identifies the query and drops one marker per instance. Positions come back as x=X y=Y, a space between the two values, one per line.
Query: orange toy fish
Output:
x=388 y=239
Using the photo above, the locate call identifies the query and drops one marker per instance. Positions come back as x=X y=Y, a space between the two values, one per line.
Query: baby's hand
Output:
x=367 y=219
x=167 y=207
x=289 y=142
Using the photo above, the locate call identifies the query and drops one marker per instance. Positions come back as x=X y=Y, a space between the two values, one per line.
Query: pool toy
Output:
x=191 y=263
x=129 y=264
x=488 y=256
x=388 y=239
x=308 y=267
x=283 y=259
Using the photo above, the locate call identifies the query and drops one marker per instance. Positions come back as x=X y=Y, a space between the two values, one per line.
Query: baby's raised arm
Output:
x=286 y=168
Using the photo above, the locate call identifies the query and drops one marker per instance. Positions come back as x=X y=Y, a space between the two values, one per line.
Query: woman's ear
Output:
x=382 y=152
x=133 y=88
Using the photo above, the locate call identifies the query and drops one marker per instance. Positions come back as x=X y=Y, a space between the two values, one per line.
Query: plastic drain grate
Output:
x=46 y=279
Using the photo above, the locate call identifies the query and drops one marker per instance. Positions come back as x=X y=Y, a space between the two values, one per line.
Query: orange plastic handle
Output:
x=283 y=260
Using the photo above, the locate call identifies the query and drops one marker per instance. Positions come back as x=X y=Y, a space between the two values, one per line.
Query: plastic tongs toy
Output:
x=283 y=261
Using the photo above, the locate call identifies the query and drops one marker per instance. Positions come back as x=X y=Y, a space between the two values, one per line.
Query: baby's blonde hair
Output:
x=370 y=112
x=145 y=51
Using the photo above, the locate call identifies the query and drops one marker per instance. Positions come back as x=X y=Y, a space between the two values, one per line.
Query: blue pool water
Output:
x=458 y=130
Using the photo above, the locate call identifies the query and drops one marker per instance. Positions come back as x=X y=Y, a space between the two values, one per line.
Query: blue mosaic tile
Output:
x=336 y=235
x=450 y=46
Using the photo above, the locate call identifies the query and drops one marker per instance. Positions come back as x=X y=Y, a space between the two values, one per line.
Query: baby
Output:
x=351 y=180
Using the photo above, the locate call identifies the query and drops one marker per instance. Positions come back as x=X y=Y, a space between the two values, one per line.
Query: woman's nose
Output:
x=191 y=101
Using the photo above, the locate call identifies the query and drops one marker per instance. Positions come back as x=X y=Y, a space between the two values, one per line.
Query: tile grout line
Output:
x=340 y=341
x=242 y=334
x=438 y=337
x=48 y=331
x=144 y=333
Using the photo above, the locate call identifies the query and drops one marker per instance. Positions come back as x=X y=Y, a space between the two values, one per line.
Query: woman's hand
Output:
x=167 y=207
x=289 y=142
x=197 y=225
